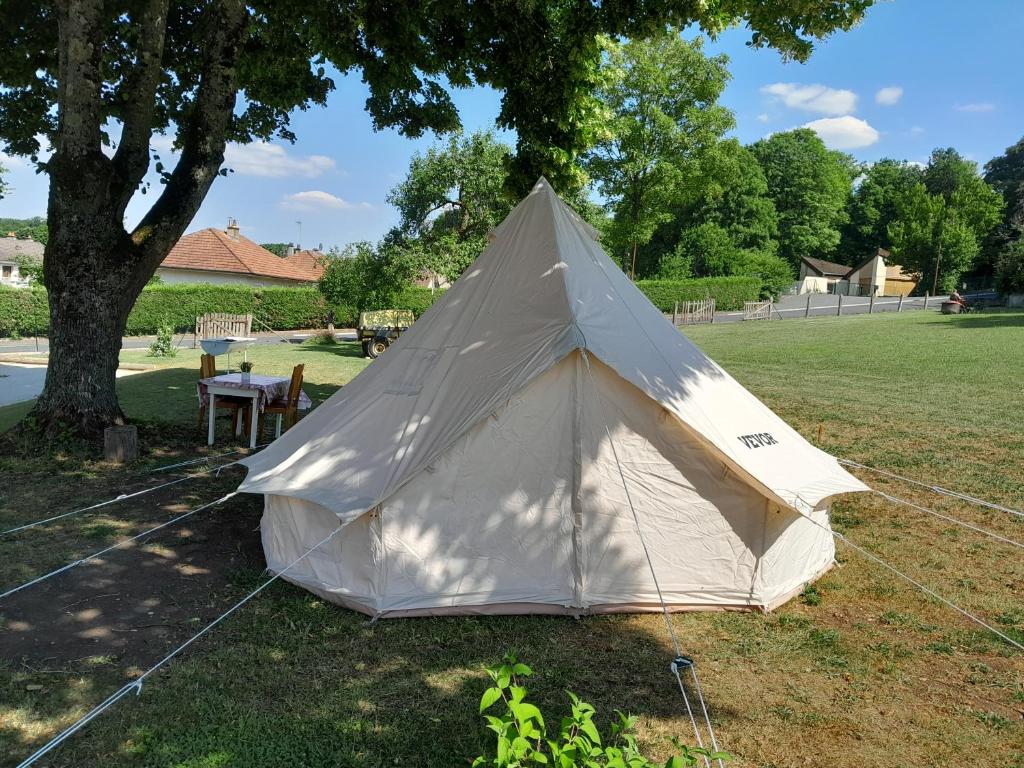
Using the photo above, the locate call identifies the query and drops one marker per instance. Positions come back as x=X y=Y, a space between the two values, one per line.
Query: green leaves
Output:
x=659 y=98
x=490 y=696
x=810 y=186
x=522 y=740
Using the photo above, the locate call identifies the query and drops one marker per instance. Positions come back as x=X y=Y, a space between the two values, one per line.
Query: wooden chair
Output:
x=237 y=406
x=287 y=407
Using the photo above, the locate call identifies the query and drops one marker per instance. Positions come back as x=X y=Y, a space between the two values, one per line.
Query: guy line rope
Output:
x=143 y=492
x=927 y=590
x=136 y=684
x=116 y=499
x=116 y=545
x=680 y=663
x=962 y=523
x=934 y=488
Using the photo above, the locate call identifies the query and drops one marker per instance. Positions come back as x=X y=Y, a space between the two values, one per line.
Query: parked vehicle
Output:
x=378 y=329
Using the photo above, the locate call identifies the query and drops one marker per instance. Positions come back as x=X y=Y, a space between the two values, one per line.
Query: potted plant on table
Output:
x=246 y=368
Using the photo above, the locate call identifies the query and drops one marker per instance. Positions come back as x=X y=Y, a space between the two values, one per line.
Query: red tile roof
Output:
x=310 y=262
x=214 y=250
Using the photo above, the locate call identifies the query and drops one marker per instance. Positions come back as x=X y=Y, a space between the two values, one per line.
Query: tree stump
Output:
x=120 y=443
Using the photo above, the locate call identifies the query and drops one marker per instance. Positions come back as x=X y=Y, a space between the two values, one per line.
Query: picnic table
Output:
x=261 y=389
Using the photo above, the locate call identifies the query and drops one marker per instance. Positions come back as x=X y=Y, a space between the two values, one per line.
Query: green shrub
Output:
x=523 y=738
x=729 y=293
x=417 y=299
x=163 y=346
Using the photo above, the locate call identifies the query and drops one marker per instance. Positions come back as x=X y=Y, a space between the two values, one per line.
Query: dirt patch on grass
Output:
x=135 y=603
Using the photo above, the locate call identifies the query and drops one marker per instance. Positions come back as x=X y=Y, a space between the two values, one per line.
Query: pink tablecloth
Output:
x=270 y=388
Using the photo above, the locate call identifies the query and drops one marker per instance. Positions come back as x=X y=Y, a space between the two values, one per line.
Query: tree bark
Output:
x=90 y=298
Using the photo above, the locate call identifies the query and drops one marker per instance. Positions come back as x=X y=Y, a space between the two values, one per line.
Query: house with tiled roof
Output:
x=226 y=256
x=311 y=262
x=13 y=252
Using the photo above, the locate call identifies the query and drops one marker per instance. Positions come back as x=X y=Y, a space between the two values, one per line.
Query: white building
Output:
x=12 y=252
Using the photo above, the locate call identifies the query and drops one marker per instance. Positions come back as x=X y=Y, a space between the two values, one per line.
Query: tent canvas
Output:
x=474 y=465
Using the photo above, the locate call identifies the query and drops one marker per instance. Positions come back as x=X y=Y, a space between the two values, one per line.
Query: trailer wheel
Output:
x=375 y=347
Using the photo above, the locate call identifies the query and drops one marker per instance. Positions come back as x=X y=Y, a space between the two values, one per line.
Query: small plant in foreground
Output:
x=522 y=738
x=245 y=366
x=810 y=595
x=164 y=344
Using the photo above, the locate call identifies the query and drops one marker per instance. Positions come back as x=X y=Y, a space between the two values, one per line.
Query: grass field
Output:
x=861 y=670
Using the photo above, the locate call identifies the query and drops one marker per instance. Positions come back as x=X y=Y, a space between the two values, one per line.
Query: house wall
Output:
x=10 y=276
x=813 y=284
x=870 y=277
x=223 y=278
x=899 y=287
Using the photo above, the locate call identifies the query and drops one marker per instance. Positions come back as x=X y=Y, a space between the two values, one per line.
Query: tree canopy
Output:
x=942 y=221
x=873 y=207
x=660 y=98
x=1006 y=175
x=810 y=186
x=86 y=75
x=451 y=197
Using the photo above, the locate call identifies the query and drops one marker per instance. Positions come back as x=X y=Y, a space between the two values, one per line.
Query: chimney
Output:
x=290 y=251
x=233 y=229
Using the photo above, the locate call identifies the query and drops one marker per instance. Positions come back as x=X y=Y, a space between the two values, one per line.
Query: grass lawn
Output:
x=861 y=670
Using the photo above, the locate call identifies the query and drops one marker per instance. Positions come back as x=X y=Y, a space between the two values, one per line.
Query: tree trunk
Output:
x=93 y=269
x=91 y=291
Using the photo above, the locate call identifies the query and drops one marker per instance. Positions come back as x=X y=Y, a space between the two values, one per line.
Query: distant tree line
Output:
x=678 y=199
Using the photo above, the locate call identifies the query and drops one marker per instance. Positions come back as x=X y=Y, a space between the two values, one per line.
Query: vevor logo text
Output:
x=756 y=441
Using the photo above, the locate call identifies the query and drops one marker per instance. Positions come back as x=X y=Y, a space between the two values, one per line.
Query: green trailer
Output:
x=378 y=329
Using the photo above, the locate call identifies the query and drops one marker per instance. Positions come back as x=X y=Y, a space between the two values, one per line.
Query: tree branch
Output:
x=204 y=137
x=131 y=161
x=79 y=106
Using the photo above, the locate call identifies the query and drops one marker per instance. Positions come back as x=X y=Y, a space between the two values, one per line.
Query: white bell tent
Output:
x=516 y=450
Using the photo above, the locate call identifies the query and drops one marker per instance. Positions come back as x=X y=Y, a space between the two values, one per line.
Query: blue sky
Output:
x=915 y=75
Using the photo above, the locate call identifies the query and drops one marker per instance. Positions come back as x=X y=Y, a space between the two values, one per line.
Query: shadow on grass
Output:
x=290 y=679
x=993 y=318
x=340 y=349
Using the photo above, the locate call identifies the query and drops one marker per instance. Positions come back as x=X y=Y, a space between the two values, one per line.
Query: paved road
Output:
x=142 y=342
x=20 y=382
x=24 y=382
x=826 y=305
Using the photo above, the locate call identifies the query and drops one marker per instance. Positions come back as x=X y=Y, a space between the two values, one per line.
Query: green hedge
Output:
x=24 y=312
x=729 y=293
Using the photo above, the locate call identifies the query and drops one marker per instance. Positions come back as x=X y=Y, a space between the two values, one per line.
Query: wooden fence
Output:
x=693 y=312
x=220 y=324
x=757 y=310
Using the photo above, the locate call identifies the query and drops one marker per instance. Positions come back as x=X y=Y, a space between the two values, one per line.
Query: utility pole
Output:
x=299 y=244
x=938 y=257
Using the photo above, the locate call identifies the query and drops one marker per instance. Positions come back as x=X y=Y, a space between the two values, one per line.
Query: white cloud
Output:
x=262 y=158
x=889 y=96
x=162 y=144
x=844 y=132
x=763 y=117
x=978 y=106
x=813 y=98
x=917 y=130
x=315 y=199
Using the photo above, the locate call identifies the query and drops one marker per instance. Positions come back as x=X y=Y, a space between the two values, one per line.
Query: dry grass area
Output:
x=861 y=670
